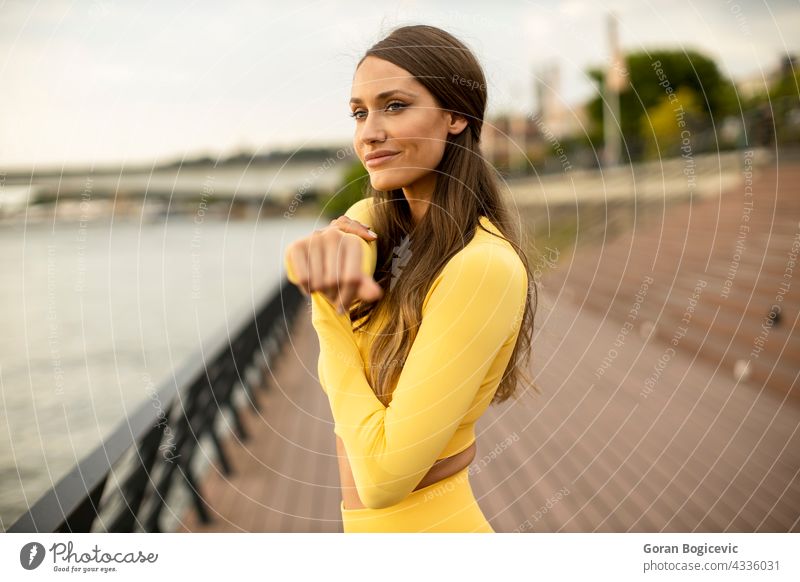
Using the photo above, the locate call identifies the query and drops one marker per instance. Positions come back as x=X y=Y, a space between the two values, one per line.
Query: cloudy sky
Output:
x=104 y=81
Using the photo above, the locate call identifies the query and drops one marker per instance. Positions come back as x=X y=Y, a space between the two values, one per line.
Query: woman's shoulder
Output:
x=486 y=269
x=361 y=211
x=487 y=253
x=493 y=241
x=485 y=247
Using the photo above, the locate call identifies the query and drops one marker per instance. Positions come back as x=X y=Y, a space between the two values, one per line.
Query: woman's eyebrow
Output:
x=383 y=95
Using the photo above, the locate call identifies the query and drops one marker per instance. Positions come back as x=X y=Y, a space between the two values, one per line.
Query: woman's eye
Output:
x=357 y=114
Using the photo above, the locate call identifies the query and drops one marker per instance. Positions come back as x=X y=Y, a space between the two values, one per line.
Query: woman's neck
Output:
x=418 y=195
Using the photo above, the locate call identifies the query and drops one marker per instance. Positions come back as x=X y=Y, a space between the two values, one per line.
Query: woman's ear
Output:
x=457 y=123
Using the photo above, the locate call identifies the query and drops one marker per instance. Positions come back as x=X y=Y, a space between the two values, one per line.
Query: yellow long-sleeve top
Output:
x=471 y=316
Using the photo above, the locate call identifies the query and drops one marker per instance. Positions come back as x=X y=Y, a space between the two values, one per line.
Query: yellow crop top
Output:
x=471 y=317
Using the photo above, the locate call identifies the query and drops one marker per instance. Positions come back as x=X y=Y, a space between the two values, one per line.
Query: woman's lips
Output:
x=381 y=160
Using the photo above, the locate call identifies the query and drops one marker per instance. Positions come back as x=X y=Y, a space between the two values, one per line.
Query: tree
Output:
x=661 y=126
x=716 y=95
x=784 y=108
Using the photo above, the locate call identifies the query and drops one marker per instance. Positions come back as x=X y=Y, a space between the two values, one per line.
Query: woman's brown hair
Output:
x=465 y=190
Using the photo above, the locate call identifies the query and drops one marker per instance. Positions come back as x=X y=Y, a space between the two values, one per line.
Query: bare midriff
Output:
x=441 y=469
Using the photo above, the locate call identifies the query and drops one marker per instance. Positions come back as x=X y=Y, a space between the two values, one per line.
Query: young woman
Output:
x=424 y=325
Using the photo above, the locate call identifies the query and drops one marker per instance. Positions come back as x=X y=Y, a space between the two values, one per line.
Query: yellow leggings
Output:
x=448 y=505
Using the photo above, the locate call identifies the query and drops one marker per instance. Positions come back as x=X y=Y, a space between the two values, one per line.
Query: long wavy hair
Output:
x=466 y=189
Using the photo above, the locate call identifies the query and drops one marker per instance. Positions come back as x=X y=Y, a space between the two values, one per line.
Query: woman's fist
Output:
x=329 y=260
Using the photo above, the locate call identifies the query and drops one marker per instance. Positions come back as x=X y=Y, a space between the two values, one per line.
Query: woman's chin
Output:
x=383 y=181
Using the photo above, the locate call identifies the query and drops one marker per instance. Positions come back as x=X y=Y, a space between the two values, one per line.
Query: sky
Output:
x=109 y=82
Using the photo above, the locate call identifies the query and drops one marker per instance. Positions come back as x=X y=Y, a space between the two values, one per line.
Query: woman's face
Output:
x=395 y=112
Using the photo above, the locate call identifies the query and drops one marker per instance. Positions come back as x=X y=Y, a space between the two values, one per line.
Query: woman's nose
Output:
x=372 y=129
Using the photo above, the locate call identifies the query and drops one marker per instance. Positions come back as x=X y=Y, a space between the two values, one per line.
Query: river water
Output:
x=94 y=313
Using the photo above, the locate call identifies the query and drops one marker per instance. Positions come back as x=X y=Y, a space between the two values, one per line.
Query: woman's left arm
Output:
x=473 y=307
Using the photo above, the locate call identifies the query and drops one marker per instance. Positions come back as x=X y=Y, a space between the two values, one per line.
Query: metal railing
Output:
x=123 y=484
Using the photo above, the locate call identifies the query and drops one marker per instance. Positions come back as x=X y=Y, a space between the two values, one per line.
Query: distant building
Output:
x=761 y=81
x=515 y=141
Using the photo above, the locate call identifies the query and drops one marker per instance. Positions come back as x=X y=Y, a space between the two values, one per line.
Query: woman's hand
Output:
x=347 y=224
x=329 y=260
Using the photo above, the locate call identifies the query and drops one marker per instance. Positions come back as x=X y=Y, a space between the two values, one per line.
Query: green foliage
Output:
x=784 y=108
x=787 y=86
x=660 y=128
x=774 y=112
x=350 y=191
x=716 y=96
